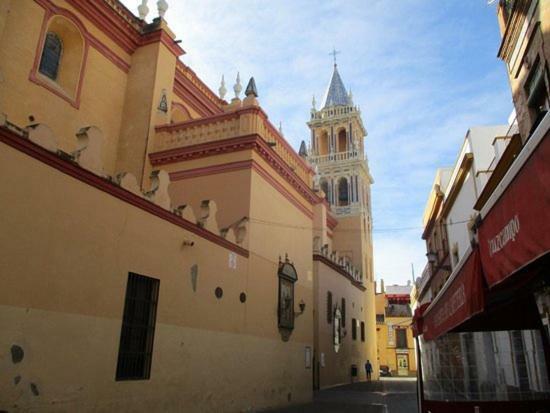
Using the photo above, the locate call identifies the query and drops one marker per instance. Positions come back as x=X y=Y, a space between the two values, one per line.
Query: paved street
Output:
x=385 y=396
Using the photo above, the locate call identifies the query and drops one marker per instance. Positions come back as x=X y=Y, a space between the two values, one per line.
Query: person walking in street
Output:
x=368 y=369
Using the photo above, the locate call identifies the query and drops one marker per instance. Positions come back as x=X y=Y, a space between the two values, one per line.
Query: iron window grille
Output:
x=138 y=328
x=51 y=56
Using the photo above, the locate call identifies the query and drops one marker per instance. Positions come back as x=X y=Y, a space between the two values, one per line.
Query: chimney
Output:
x=375 y=291
x=382 y=286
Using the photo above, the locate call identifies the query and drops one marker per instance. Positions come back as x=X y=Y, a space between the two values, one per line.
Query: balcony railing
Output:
x=335 y=157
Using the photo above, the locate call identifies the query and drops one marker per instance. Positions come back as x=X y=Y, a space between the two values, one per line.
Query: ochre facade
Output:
x=121 y=161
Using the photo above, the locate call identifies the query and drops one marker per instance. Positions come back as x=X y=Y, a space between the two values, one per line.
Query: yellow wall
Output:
x=69 y=299
x=387 y=352
x=103 y=90
x=337 y=368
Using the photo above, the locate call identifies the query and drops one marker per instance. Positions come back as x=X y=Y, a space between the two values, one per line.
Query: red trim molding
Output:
x=161 y=36
x=238 y=166
x=339 y=270
x=187 y=91
x=51 y=10
x=122 y=31
x=211 y=170
x=331 y=221
x=75 y=171
x=247 y=142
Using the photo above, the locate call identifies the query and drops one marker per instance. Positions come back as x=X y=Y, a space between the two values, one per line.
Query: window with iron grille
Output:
x=51 y=56
x=138 y=328
x=362 y=331
x=354 y=329
x=401 y=337
x=343 y=312
x=329 y=307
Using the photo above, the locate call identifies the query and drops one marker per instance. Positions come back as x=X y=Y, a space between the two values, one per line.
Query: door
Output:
x=402 y=364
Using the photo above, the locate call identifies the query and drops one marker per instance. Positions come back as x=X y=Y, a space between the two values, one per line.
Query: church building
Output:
x=163 y=247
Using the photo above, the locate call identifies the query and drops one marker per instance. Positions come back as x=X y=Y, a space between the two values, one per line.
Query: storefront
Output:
x=483 y=342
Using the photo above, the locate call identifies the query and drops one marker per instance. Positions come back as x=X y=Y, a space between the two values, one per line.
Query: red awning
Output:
x=418 y=319
x=462 y=298
x=516 y=229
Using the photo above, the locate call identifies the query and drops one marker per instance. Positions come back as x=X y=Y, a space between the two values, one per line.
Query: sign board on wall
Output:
x=232 y=260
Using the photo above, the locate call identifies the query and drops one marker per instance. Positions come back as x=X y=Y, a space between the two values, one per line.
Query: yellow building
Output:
x=157 y=243
x=396 y=348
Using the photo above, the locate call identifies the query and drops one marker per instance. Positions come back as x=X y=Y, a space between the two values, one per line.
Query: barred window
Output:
x=138 y=328
x=343 y=312
x=51 y=56
x=329 y=307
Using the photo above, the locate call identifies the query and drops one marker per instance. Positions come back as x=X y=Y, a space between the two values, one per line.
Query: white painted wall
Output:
x=479 y=142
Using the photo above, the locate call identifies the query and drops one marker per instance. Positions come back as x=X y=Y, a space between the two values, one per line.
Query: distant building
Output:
x=396 y=348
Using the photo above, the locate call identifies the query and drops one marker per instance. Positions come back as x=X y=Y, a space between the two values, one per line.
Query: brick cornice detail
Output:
x=24 y=145
x=247 y=142
x=339 y=270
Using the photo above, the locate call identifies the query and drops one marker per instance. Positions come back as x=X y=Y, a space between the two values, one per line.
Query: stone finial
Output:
x=238 y=87
x=88 y=154
x=281 y=128
x=143 y=10
x=43 y=136
x=222 y=90
x=251 y=88
x=313 y=103
x=350 y=95
x=160 y=181
x=162 y=6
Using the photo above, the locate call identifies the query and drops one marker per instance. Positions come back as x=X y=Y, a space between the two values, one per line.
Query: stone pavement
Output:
x=389 y=395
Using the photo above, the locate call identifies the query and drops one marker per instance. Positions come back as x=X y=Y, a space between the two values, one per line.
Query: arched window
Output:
x=51 y=56
x=342 y=141
x=323 y=143
x=343 y=195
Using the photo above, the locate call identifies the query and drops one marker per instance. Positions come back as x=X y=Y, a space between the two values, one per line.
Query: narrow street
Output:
x=385 y=396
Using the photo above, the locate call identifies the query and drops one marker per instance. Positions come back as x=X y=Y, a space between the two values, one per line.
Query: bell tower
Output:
x=337 y=150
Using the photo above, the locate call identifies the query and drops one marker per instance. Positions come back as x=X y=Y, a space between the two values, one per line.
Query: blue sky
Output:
x=422 y=71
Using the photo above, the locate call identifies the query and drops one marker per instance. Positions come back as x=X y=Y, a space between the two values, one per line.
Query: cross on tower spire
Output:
x=334 y=53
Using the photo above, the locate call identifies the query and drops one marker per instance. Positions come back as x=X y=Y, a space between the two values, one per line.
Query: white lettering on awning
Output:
x=507 y=234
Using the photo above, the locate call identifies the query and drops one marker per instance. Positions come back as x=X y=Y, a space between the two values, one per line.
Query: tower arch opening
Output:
x=323 y=143
x=343 y=192
x=342 y=140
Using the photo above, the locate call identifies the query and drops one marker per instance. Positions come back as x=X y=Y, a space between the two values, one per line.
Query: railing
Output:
x=242 y=122
x=347 y=210
x=337 y=156
x=334 y=112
